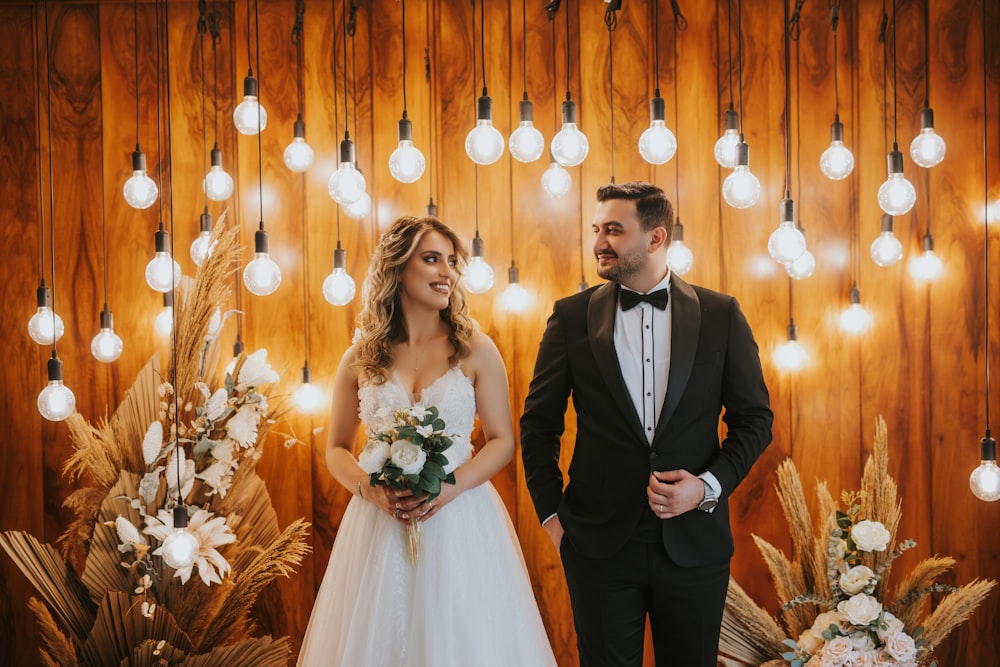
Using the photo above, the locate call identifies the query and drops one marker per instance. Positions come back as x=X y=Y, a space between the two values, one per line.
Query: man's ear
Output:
x=658 y=238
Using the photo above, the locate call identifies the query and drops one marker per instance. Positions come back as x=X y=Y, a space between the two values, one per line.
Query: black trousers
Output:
x=612 y=597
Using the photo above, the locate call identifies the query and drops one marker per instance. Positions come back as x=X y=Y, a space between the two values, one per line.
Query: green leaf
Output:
x=791 y=644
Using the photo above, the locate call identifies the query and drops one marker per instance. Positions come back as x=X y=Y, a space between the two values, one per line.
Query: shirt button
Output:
x=649 y=428
x=647 y=361
x=647 y=326
x=649 y=393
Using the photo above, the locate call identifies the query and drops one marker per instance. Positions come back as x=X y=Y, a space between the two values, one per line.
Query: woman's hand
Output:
x=393 y=503
x=421 y=508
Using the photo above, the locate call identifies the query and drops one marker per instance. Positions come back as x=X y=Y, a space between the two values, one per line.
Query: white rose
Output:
x=409 y=457
x=856 y=579
x=838 y=649
x=824 y=621
x=862 y=640
x=373 y=456
x=809 y=642
x=888 y=626
x=861 y=659
x=901 y=647
x=870 y=536
x=861 y=609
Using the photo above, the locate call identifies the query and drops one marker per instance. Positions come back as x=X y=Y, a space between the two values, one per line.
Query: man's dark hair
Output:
x=651 y=203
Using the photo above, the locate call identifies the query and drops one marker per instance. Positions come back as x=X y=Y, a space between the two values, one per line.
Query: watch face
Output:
x=708 y=504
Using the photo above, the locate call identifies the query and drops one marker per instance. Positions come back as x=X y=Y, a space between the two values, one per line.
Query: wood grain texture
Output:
x=922 y=366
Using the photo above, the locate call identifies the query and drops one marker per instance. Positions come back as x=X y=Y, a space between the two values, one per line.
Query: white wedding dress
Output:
x=466 y=602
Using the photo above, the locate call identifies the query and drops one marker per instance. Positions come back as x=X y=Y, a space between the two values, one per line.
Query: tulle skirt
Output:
x=466 y=602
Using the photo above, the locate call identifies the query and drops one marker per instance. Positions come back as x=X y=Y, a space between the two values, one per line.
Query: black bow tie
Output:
x=657 y=299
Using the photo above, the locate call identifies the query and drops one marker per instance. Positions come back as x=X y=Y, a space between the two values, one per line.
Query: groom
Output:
x=642 y=526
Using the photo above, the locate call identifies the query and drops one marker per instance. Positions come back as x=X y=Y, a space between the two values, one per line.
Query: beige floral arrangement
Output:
x=176 y=443
x=834 y=588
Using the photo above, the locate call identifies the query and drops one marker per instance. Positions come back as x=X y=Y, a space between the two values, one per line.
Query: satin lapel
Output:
x=685 y=310
x=601 y=327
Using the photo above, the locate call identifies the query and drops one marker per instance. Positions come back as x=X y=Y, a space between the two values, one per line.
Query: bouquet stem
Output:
x=413 y=540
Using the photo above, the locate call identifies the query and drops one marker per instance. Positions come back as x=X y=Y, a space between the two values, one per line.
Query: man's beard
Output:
x=628 y=266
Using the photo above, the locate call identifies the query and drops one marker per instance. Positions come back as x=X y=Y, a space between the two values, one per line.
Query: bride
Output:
x=467 y=599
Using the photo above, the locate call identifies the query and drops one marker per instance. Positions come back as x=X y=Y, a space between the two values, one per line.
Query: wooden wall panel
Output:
x=922 y=366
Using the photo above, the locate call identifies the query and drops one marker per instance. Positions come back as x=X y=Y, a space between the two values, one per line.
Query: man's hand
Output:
x=674 y=492
x=555 y=530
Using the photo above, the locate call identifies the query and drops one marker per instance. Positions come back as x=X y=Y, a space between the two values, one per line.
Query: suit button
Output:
x=652 y=457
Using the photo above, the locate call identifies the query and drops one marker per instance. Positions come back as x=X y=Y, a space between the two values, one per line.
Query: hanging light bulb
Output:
x=162 y=272
x=298 y=154
x=140 y=190
x=338 y=287
x=886 y=250
x=45 y=327
x=218 y=184
x=181 y=547
x=570 y=145
x=250 y=116
x=478 y=277
x=725 y=148
x=837 y=161
x=406 y=164
x=261 y=276
x=803 y=267
x=308 y=398
x=927 y=148
x=484 y=143
x=791 y=356
x=56 y=401
x=896 y=196
x=556 y=181
x=854 y=319
x=106 y=346
x=202 y=246
x=926 y=266
x=526 y=143
x=680 y=259
x=163 y=323
x=786 y=243
x=657 y=144
x=346 y=185
x=431 y=209
x=741 y=189
x=515 y=298
x=985 y=479
x=360 y=209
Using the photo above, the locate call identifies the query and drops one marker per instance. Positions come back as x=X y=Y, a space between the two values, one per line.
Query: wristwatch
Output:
x=711 y=500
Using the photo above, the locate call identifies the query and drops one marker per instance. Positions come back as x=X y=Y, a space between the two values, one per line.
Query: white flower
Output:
x=128 y=533
x=152 y=443
x=860 y=609
x=808 y=641
x=901 y=646
x=419 y=412
x=186 y=469
x=425 y=431
x=210 y=533
x=856 y=579
x=219 y=476
x=255 y=370
x=408 y=456
x=888 y=626
x=838 y=648
x=861 y=659
x=870 y=536
x=242 y=427
x=216 y=404
x=373 y=456
x=812 y=639
x=862 y=640
x=223 y=453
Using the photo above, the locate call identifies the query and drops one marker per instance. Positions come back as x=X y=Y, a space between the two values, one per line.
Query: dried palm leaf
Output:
x=85 y=503
x=154 y=653
x=55 y=581
x=103 y=570
x=954 y=609
x=257 y=652
x=57 y=649
x=120 y=626
x=750 y=635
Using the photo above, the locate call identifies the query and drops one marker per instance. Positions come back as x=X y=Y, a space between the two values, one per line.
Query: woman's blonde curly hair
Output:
x=380 y=323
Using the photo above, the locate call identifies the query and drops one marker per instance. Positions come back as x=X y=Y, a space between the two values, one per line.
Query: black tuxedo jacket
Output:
x=714 y=367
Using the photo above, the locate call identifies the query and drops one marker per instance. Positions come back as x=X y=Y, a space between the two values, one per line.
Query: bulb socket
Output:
x=405 y=132
x=306 y=373
x=568 y=111
x=928 y=242
x=793 y=331
x=205 y=221
x=260 y=241
x=339 y=258
x=477 y=246
x=299 y=128
x=512 y=275
x=787 y=210
x=216 y=156
x=526 y=110
x=926 y=118
x=138 y=159
x=43 y=297
x=484 y=107
x=732 y=119
x=886 y=222
x=162 y=241
x=168 y=299
x=855 y=296
x=742 y=154
x=250 y=85
x=657 y=109
x=432 y=208
x=988 y=446
x=180 y=517
x=837 y=131
x=346 y=151
x=678 y=231
x=107 y=319
x=55 y=368
x=238 y=347
x=895 y=161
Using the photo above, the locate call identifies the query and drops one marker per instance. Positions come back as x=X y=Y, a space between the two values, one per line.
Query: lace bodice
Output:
x=452 y=394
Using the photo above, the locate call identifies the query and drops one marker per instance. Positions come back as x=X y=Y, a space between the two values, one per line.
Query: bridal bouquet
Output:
x=834 y=587
x=405 y=450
